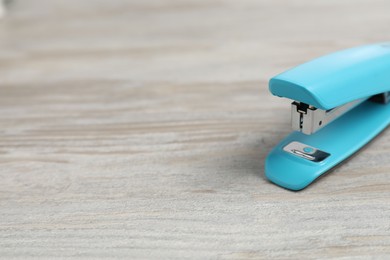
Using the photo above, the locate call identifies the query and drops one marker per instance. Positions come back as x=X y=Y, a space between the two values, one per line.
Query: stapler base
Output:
x=299 y=159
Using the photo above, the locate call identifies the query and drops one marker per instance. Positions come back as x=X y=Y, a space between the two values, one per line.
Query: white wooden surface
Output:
x=138 y=129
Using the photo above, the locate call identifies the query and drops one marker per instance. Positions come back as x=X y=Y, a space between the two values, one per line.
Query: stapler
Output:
x=341 y=102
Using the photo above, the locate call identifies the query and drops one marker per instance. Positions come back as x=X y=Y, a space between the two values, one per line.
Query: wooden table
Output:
x=138 y=129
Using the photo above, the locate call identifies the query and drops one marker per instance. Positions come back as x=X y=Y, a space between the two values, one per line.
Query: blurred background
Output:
x=181 y=41
x=139 y=128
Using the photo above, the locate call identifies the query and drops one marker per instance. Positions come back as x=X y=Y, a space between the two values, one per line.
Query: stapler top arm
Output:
x=337 y=78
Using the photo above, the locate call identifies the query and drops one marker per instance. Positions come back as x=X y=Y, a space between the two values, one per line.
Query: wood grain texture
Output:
x=138 y=129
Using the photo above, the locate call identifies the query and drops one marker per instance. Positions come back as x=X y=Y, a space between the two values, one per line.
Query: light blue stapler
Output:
x=340 y=104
